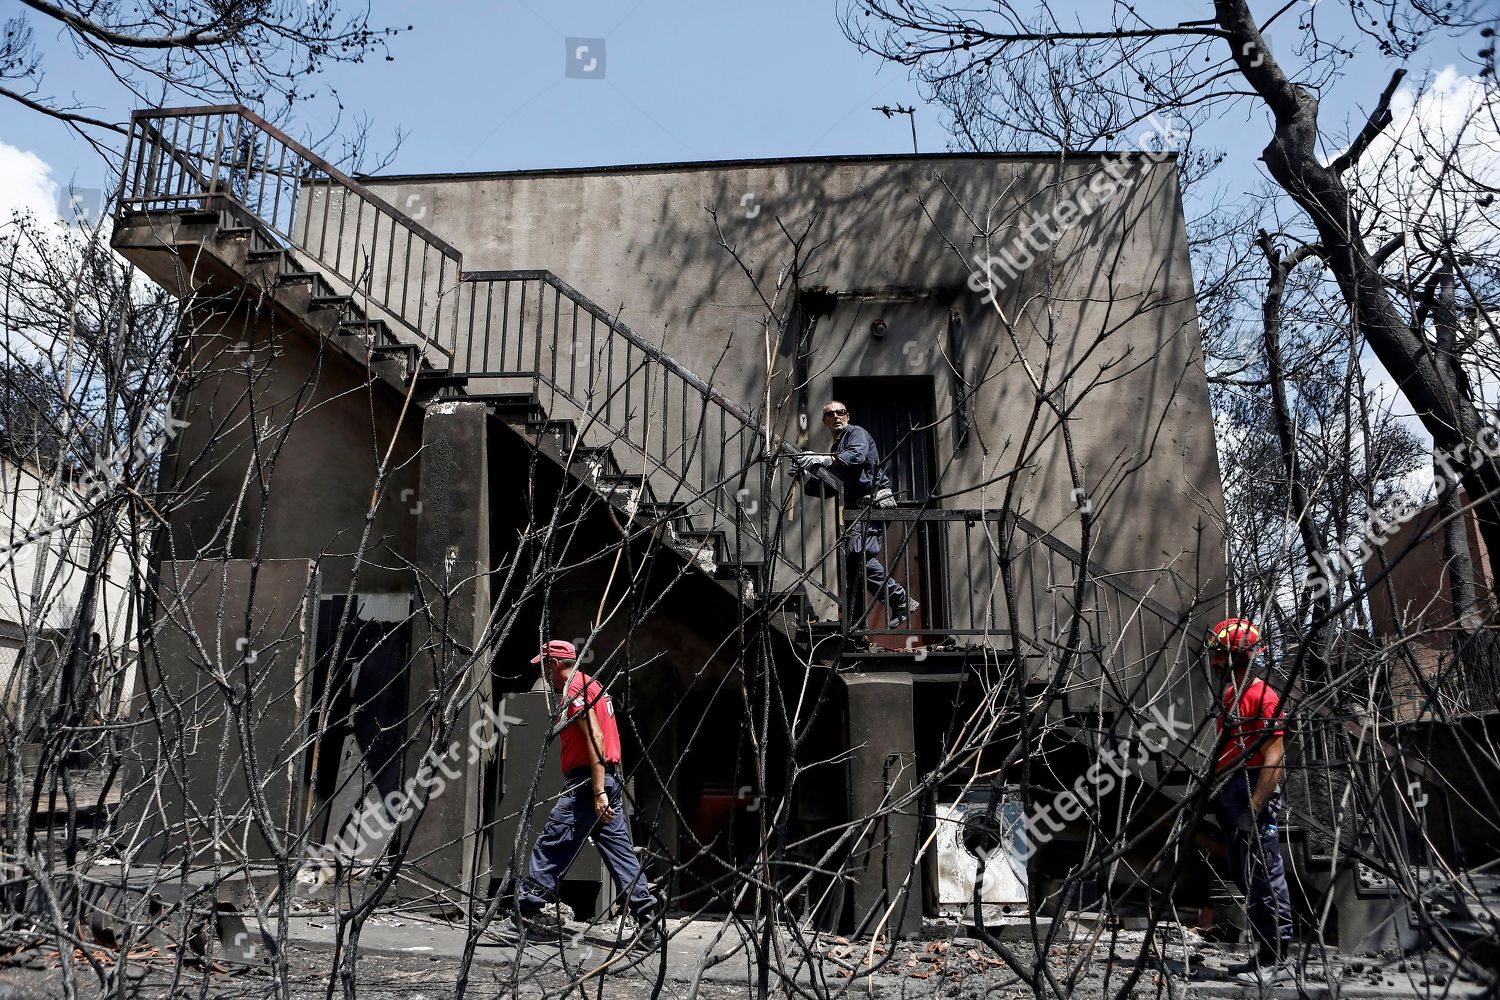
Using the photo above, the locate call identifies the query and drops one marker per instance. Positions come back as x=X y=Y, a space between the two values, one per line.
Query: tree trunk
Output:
x=1317 y=550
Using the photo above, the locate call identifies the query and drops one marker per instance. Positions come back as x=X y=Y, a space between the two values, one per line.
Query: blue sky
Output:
x=483 y=86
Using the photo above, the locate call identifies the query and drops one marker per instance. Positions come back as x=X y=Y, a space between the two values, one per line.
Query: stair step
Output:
x=435 y=380
x=665 y=512
x=235 y=232
x=563 y=429
x=738 y=570
x=511 y=402
x=705 y=548
x=376 y=328
x=715 y=541
x=634 y=481
x=410 y=356
x=792 y=602
x=329 y=302
x=600 y=461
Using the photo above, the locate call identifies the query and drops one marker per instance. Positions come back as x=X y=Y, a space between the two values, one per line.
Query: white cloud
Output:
x=1428 y=169
x=26 y=184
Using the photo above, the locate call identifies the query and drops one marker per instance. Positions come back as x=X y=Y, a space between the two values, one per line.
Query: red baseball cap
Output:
x=558 y=649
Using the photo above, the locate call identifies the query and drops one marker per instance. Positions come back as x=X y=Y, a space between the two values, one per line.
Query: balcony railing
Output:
x=951 y=561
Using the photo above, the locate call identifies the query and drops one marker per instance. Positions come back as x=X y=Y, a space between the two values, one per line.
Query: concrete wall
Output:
x=249 y=626
x=325 y=431
x=1119 y=307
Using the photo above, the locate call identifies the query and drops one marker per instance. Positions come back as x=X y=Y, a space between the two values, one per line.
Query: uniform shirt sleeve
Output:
x=1269 y=711
x=577 y=697
x=856 y=449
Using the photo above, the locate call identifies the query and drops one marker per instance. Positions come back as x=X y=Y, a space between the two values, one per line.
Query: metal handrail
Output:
x=231 y=156
x=621 y=329
x=526 y=319
x=334 y=173
x=524 y=328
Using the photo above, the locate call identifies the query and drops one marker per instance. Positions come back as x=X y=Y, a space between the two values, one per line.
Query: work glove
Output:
x=806 y=463
x=883 y=499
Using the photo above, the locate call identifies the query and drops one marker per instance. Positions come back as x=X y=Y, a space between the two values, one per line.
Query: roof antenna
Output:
x=910 y=113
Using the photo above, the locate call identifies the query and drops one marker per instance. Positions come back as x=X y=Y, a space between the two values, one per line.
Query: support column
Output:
x=448 y=847
x=882 y=770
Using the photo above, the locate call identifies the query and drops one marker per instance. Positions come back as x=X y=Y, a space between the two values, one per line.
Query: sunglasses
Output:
x=834 y=413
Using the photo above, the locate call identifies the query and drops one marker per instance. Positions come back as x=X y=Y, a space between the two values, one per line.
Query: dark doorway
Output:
x=361 y=694
x=897 y=411
x=716 y=787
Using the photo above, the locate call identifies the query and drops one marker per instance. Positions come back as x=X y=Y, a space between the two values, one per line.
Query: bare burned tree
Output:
x=260 y=772
x=245 y=51
x=87 y=368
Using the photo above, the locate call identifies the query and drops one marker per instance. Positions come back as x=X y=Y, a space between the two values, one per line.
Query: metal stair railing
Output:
x=1123 y=635
x=207 y=158
x=698 y=446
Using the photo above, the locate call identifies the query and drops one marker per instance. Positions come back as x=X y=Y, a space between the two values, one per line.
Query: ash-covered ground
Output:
x=406 y=957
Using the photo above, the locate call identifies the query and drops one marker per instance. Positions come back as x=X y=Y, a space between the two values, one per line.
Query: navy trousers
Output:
x=572 y=821
x=1255 y=860
x=863 y=572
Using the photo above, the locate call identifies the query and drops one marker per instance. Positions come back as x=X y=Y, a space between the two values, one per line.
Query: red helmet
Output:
x=1235 y=635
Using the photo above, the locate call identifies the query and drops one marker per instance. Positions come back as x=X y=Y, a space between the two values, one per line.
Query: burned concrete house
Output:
x=431 y=421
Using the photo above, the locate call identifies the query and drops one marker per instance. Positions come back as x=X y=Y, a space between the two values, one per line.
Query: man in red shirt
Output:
x=1252 y=751
x=591 y=805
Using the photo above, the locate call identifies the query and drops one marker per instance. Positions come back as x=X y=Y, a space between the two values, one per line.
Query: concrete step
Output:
x=516 y=404
x=329 y=302
x=714 y=541
x=596 y=462
x=636 y=484
x=564 y=431
x=200 y=217
x=375 y=328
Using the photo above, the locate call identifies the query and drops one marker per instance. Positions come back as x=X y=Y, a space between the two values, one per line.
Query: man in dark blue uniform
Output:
x=855 y=462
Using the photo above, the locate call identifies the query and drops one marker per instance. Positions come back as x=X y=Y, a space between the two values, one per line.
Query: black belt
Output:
x=584 y=773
